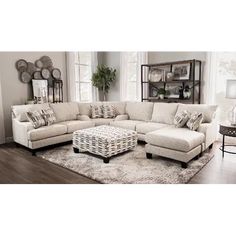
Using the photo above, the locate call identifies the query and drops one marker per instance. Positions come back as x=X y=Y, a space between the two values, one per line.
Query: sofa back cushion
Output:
x=19 y=111
x=85 y=108
x=139 y=110
x=164 y=112
x=208 y=111
x=65 y=111
x=119 y=107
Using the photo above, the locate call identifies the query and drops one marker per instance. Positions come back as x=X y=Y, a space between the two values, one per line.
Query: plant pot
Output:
x=161 y=96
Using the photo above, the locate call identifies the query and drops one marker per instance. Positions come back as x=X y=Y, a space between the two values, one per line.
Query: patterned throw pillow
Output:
x=96 y=111
x=49 y=116
x=35 y=119
x=109 y=111
x=181 y=119
x=195 y=120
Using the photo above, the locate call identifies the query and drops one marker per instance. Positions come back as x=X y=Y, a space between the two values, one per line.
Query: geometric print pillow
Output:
x=109 y=111
x=195 y=120
x=181 y=119
x=35 y=119
x=49 y=116
x=96 y=111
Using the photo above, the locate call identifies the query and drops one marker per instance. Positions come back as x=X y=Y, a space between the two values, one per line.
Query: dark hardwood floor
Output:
x=18 y=166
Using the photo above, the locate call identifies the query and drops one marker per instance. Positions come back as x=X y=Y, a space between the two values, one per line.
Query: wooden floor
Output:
x=18 y=166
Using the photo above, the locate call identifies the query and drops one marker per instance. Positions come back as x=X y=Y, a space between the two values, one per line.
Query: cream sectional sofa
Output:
x=152 y=121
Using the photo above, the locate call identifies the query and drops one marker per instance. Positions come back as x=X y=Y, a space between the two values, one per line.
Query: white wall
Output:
x=2 y=129
x=15 y=92
x=157 y=57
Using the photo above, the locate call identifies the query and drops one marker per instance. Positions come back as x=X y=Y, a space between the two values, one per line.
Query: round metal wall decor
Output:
x=45 y=73
x=25 y=77
x=37 y=75
x=56 y=73
x=47 y=62
x=21 y=65
x=31 y=68
x=39 y=64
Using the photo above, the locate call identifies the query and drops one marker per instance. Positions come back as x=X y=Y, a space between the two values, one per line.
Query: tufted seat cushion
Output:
x=176 y=139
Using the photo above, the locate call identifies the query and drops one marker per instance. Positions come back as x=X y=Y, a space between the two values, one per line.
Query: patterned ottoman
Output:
x=104 y=140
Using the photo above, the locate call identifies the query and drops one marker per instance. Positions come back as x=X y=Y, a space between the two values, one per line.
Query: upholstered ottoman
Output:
x=105 y=141
x=180 y=144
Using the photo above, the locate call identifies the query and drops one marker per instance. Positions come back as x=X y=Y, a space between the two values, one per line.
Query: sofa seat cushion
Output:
x=74 y=125
x=47 y=132
x=127 y=124
x=147 y=127
x=180 y=139
x=102 y=121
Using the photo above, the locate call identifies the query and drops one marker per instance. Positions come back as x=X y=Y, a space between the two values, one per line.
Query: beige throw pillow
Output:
x=49 y=116
x=195 y=120
x=96 y=111
x=36 y=119
x=109 y=111
x=181 y=118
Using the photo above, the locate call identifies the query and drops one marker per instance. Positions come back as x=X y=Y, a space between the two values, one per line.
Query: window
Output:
x=83 y=75
x=130 y=78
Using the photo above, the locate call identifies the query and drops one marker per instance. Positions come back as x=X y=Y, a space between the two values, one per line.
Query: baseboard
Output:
x=9 y=139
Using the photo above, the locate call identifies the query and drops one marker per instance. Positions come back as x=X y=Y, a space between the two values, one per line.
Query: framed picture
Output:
x=181 y=71
x=40 y=90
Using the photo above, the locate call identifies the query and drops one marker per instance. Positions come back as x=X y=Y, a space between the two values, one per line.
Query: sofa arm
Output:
x=83 y=118
x=121 y=117
x=20 y=131
x=210 y=132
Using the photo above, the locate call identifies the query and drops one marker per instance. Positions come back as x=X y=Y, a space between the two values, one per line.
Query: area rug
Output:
x=131 y=167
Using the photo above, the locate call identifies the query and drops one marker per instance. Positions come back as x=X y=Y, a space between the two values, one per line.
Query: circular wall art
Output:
x=56 y=73
x=21 y=65
x=37 y=75
x=47 y=61
x=39 y=64
x=45 y=73
x=25 y=77
x=31 y=68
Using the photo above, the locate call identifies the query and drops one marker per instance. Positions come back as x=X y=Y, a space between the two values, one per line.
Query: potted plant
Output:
x=161 y=93
x=103 y=78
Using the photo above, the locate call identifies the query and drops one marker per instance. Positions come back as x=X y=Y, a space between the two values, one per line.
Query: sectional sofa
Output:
x=152 y=121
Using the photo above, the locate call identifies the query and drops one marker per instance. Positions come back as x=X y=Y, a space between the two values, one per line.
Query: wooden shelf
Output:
x=169 y=100
x=194 y=81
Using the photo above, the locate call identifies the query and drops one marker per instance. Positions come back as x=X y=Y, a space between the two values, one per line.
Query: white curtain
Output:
x=94 y=64
x=70 y=61
x=2 y=129
x=210 y=78
x=142 y=58
x=70 y=58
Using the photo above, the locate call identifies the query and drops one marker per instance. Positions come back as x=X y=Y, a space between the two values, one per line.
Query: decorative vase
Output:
x=232 y=116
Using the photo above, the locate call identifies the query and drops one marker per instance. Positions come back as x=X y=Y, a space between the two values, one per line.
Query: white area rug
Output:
x=131 y=167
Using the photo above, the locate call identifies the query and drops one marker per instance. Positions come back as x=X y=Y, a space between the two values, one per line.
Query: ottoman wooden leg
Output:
x=149 y=155
x=106 y=160
x=184 y=165
x=76 y=150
